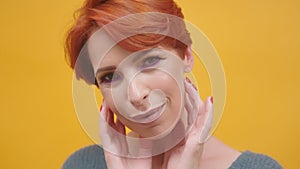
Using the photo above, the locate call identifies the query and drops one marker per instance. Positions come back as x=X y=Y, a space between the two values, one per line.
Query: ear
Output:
x=188 y=60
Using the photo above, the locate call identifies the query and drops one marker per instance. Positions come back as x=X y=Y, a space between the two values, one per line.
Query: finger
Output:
x=110 y=119
x=120 y=127
x=189 y=81
x=193 y=95
x=103 y=114
x=123 y=145
x=190 y=112
x=103 y=117
x=104 y=133
x=112 y=134
x=188 y=84
x=104 y=126
x=194 y=104
x=208 y=120
x=202 y=116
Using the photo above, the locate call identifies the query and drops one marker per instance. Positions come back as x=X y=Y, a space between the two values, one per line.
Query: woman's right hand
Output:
x=115 y=145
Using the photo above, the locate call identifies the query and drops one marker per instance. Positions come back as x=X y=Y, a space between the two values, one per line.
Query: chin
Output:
x=158 y=129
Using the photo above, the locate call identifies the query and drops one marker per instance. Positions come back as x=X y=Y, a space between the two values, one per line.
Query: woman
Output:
x=137 y=53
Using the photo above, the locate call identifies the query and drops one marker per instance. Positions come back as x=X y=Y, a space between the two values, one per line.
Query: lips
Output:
x=150 y=115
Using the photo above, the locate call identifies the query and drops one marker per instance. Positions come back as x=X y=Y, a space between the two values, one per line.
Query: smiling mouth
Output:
x=151 y=115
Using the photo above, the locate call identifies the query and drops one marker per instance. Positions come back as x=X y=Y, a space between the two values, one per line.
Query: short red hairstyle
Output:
x=96 y=13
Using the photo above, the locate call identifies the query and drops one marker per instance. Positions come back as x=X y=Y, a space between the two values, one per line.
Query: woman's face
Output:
x=144 y=89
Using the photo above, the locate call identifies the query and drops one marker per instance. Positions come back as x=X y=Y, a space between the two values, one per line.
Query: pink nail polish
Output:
x=195 y=87
x=188 y=80
x=212 y=99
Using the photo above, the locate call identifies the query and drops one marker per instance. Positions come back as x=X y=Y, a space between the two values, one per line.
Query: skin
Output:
x=138 y=90
x=184 y=155
x=190 y=153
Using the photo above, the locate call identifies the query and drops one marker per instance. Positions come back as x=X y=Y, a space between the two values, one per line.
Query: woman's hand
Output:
x=115 y=145
x=200 y=116
x=185 y=155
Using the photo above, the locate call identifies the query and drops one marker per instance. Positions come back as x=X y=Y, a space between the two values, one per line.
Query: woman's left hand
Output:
x=200 y=116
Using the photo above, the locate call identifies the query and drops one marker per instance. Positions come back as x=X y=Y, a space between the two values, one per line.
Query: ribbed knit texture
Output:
x=249 y=160
x=92 y=157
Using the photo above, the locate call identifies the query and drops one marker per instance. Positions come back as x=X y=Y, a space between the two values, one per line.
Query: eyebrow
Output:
x=109 y=68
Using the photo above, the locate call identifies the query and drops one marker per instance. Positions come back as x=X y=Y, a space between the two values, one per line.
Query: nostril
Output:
x=140 y=103
x=138 y=93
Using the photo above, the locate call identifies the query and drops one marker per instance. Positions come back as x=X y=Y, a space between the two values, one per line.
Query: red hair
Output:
x=96 y=13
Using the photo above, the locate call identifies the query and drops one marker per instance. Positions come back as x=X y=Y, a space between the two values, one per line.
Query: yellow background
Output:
x=258 y=42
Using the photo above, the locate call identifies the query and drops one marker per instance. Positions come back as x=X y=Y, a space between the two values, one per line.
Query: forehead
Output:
x=113 y=57
x=103 y=51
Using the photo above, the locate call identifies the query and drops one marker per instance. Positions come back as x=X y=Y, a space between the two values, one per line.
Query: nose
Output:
x=138 y=94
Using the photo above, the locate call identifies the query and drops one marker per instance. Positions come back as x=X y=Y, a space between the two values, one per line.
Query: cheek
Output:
x=108 y=99
x=107 y=95
x=170 y=85
x=174 y=90
x=155 y=80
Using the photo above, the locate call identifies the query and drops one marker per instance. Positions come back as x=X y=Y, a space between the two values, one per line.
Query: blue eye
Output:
x=109 y=77
x=150 y=61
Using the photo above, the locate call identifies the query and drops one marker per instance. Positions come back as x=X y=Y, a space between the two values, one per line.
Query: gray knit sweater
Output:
x=92 y=157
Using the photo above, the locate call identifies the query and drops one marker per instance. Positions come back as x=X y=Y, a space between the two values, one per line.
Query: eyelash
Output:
x=115 y=76
x=157 y=60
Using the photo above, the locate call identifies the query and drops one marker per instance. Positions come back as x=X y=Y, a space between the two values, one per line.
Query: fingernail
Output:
x=188 y=80
x=212 y=99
